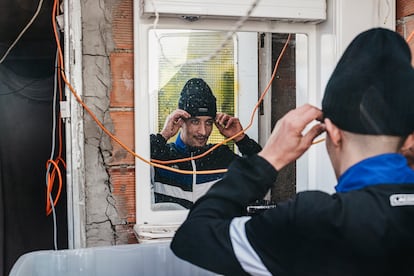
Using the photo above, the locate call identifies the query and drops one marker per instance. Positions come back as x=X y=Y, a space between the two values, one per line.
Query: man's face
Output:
x=196 y=130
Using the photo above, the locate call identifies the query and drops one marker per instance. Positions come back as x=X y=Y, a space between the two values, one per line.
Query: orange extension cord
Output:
x=55 y=164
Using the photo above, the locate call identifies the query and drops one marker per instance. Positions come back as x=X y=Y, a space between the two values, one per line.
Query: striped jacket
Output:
x=185 y=189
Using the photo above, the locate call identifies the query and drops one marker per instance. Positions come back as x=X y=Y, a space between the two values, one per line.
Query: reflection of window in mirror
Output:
x=177 y=56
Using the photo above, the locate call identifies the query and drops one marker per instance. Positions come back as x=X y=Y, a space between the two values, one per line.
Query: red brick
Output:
x=406 y=29
x=404 y=8
x=122 y=68
x=123 y=122
x=123 y=185
x=122 y=25
x=400 y=29
x=126 y=234
x=409 y=29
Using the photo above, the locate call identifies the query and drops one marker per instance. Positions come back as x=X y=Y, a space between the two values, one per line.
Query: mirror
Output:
x=236 y=68
x=175 y=57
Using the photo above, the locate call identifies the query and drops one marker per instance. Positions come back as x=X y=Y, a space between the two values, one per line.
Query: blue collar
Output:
x=180 y=144
x=388 y=168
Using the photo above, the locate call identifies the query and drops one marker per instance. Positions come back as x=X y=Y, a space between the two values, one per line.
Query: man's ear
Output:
x=333 y=131
x=409 y=142
x=408 y=150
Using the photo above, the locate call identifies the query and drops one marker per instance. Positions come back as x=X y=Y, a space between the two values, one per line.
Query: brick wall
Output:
x=405 y=20
x=122 y=165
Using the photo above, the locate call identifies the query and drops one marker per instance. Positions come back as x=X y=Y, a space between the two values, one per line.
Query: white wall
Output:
x=345 y=20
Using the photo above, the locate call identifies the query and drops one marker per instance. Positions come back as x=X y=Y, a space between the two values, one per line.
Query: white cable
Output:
x=52 y=151
x=39 y=7
x=388 y=12
x=154 y=25
x=229 y=36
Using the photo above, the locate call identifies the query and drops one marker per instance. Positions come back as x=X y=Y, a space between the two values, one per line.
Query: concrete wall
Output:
x=107 y=31
x=108 y=91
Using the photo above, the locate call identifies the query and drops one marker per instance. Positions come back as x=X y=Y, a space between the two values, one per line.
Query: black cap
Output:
x=197 y=99
x=371 y=90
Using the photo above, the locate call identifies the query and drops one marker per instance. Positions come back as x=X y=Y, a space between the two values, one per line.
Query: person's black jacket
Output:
x=184 y=189
x=367 y=231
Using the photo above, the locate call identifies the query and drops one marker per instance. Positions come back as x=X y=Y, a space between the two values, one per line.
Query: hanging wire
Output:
x=53 y=170
x=49 y=200
x=39 y=7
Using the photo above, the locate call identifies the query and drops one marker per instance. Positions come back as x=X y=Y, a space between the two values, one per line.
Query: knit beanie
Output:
x=371 y=90
x=197 y=99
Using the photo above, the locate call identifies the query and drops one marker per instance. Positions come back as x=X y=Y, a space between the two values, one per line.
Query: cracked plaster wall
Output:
x=101 y=213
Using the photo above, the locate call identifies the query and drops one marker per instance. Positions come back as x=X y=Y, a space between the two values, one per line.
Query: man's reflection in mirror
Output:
x=194 y=121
